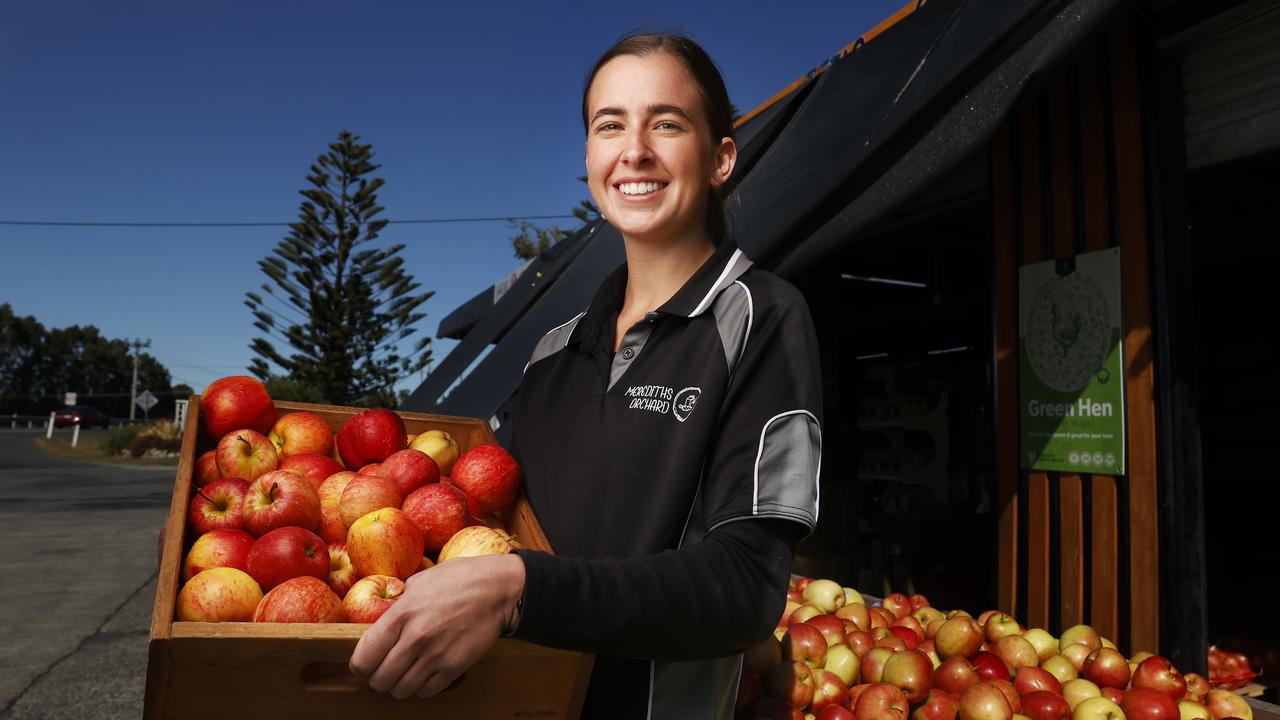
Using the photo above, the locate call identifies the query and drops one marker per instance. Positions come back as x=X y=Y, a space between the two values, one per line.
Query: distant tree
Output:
x=282 y=387
x=39 y=365
x=530 y=240
x=342 y=306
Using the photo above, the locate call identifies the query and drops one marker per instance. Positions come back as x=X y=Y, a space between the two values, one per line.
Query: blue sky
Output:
x=213 y=111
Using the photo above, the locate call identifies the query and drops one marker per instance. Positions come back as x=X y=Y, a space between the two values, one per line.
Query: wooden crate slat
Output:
x=1070 y=551
x=1104 y=612
x=1038 y=547
x=1093 y=155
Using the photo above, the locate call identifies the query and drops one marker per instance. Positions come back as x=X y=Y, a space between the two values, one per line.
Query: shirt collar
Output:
x=721 y=270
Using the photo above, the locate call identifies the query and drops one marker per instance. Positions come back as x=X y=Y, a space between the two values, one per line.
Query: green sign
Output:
x=1070 y=374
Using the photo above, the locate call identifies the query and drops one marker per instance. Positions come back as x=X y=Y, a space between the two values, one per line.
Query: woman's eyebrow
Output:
x=652 y=110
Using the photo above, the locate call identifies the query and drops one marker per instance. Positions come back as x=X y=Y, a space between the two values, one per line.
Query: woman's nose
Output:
x=637 y=149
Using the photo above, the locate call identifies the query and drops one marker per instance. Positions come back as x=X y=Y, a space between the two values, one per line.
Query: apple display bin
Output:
x=216 y=670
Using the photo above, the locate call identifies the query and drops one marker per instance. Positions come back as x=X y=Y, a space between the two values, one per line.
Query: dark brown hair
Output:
x=715 y=101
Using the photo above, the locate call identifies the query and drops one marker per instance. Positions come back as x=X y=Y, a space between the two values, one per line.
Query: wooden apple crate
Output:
x=210 y=670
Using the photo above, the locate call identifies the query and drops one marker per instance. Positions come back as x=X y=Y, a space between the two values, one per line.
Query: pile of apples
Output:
x=833 y=656
x=294 y=523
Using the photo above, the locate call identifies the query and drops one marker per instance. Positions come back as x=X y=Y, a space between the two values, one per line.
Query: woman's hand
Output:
x=447 y=618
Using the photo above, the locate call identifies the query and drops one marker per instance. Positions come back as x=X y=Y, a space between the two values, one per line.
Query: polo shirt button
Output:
x=628 y=353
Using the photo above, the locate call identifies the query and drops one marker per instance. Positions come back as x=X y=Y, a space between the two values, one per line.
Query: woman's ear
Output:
x=726 y=156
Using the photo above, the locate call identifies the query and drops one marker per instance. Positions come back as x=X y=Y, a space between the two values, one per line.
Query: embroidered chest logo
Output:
x=684 y=403
x=662 y=400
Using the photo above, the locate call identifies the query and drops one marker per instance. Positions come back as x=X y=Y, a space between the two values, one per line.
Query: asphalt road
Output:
x=79 y=543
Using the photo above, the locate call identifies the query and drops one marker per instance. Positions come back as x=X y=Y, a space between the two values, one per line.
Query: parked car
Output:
x=84 y=415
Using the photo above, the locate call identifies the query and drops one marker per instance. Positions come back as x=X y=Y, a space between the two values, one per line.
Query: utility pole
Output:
x=133 y=393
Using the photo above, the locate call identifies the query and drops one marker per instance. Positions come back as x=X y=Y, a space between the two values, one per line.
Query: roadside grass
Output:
x=93 y=448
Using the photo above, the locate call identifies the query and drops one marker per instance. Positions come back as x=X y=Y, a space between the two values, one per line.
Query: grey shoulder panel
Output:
x=554 y=341
x=734 y=311
x=788 y=465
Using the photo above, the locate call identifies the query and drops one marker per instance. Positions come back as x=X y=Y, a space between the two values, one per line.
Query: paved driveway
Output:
x=79 y=574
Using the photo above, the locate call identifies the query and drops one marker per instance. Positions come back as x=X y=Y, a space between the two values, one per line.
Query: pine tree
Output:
x=530 y=241
x=343 y=306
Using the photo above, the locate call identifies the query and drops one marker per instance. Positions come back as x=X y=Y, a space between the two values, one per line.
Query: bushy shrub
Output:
x=119 y=438
x=162 y=435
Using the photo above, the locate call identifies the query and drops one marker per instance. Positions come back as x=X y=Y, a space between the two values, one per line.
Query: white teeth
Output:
x=641 y=188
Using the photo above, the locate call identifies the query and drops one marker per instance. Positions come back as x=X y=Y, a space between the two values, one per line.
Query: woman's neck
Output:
x=657 y=272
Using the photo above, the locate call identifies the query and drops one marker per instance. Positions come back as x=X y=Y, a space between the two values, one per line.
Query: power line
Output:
x=421 y=221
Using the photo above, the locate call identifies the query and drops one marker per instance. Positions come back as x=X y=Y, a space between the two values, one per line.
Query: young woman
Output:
x=669 y=434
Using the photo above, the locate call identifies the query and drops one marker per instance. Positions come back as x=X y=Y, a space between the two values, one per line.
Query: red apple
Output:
x=300 y=600
x=999 y=625
x=1077 y=653
x=332 y=529
x=235 y=402
x=1010 y=694
x=372 y=596
x=1097 y=708
x=855 y=613
x=1106 y=667
x=959 y=636
x=911 y=671
x=912 y=624
x=790 y=680
x=206 y=470
x=1031 y=679
x=1115 y=695
x=906 y=635
x=280 y=499
x=221 y=594
x=844 y=662
x=872 y=670
x=1061 y=668
x=828 y=689
x=984 y=701
x=880 y=617
x=1197 y=686
x=1082 y=634
x=370 y=469
x=1045 y=705
x=315 y=468
x=385 y=542
x=955 y=675
x=490 y=475
x=370 y=436
x=364 y=494
x=891 y=641
x=939 y=705
x=223 y=547
x=440 y=446
x=835 y=712
x=882 y=701
x=860 y=641
x=926 y=615
x=1159 y=674
x=989 y=666
x=1017 y=652
x=897 y=603
x=476 y=540
x=918 y=601
x=342 y=574
x=245 y=454
x=1145 y=703
x=220 y=504
x=409 y=469
x=439 y=511
x=805 y=643
x=831 y=627
x=301 y=433
x=802 y=614
x=285 y=553
x=1224 y=704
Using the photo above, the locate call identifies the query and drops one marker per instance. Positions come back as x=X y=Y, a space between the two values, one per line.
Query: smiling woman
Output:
x=669 y=434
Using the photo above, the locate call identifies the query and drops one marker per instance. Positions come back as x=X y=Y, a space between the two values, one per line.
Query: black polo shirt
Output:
x=709 y=413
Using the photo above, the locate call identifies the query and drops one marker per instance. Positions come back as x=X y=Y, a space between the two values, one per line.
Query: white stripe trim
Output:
x=648 y=713
x=706 y=300
x=751 y=314
x=755 y=492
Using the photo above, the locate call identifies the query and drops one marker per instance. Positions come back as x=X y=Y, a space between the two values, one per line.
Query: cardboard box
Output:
x=293 y=670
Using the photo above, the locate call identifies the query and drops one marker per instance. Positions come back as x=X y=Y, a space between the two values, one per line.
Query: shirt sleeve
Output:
x=709 y=599
x=766 y=457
